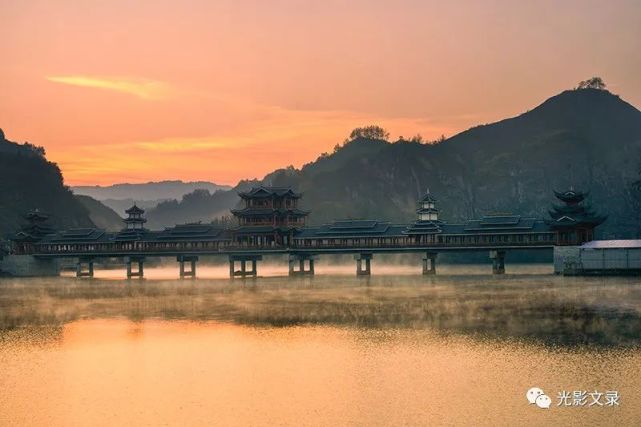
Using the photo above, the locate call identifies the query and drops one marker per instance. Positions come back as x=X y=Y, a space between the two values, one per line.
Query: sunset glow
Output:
x=142 y=89
x=221 y=91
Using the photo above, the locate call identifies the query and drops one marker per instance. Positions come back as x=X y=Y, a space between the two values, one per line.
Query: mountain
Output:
x=201 y=205
x=121 y=205
x=101 y=215
x=122 y=196
x=587 y=138
x=28 y=181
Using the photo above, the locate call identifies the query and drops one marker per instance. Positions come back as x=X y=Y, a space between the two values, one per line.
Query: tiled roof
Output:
x=191 y=232
x=78 y=235
x=263 y=191
x=571 y=196
x=351 y=229
x=428 y=197
x=135 y=210
x=494 y=223
x=424 y=227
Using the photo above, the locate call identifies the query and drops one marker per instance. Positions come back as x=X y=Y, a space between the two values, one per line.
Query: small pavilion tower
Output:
x=427 y=208
x=32 y=231
x=427 y=226
x=135 y=219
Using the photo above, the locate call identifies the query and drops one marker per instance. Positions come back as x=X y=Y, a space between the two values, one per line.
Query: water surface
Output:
x=398 y=349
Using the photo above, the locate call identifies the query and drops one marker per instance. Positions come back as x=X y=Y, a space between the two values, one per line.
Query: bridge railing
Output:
x=224 y=247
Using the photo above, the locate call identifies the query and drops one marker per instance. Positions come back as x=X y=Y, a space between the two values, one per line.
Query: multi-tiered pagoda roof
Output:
x=35 y=227
x=574 y=213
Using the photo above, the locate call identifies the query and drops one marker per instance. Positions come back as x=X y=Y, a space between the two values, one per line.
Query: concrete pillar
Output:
x=360 y=271
x=429 y=263
x=81 y=272
x=130 y=272
x=182 y=259
x=305 y=264
x=292 y=271
x=498 y=261
x=244 y=259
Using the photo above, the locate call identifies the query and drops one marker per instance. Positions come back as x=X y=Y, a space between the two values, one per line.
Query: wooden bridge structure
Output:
x=271 y=223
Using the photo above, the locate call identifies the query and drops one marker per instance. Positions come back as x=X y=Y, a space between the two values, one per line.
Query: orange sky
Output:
x=222 y=90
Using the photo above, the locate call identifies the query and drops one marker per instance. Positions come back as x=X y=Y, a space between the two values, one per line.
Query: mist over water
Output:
x=333 y=349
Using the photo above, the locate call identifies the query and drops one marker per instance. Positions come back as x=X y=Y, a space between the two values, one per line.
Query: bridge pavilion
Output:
x=270 y=222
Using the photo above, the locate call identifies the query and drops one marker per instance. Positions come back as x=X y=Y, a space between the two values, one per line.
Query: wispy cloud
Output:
x=144 y=89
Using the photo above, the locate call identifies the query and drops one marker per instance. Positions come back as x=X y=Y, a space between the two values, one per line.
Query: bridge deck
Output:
x=272 y=250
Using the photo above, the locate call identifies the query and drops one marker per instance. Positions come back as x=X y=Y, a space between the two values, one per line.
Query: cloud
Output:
x=144 y=89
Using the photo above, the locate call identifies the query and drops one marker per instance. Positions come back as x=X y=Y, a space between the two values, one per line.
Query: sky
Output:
x=137 y=91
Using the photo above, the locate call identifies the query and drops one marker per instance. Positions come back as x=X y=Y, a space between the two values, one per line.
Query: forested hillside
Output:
x=28 y=181
x=587 y=138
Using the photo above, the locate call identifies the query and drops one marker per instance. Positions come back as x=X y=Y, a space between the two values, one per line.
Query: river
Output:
x=396 y=348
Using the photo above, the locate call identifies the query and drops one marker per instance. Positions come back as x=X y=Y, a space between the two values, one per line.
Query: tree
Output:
x=439 y=140
x=36 y=149
x=369 y=132
x=593 y=83
x=417 y=138
x=197 y=196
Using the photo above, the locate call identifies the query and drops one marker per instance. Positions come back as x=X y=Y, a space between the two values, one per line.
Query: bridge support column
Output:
x=80 y=271
x=191 y=273
x=365 y=259
x=140 y=272
x=429 y=263
x=498 y=262
x=303 y=260
x=243 y=260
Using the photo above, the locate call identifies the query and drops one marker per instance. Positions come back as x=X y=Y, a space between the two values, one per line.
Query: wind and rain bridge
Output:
x=271 y=222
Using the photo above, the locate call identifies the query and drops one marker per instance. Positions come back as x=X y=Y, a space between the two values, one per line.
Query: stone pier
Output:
x=243 y=260
x=429 y=263
x=192 y=260
x=139 y=273
x=363 y=264
x=305 y=265
x=84 y=272
x=498 y=261
x=28 y=266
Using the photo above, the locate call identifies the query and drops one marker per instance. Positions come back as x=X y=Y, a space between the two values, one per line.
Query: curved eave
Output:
x=571 y=196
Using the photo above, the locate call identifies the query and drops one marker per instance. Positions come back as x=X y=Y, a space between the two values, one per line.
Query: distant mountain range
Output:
x=121 y=196
x=587 y=138
x=102 y=216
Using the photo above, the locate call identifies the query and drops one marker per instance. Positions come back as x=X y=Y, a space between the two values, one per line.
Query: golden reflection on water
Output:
x=118 y=372
x=328 y=350
x=169 y=271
